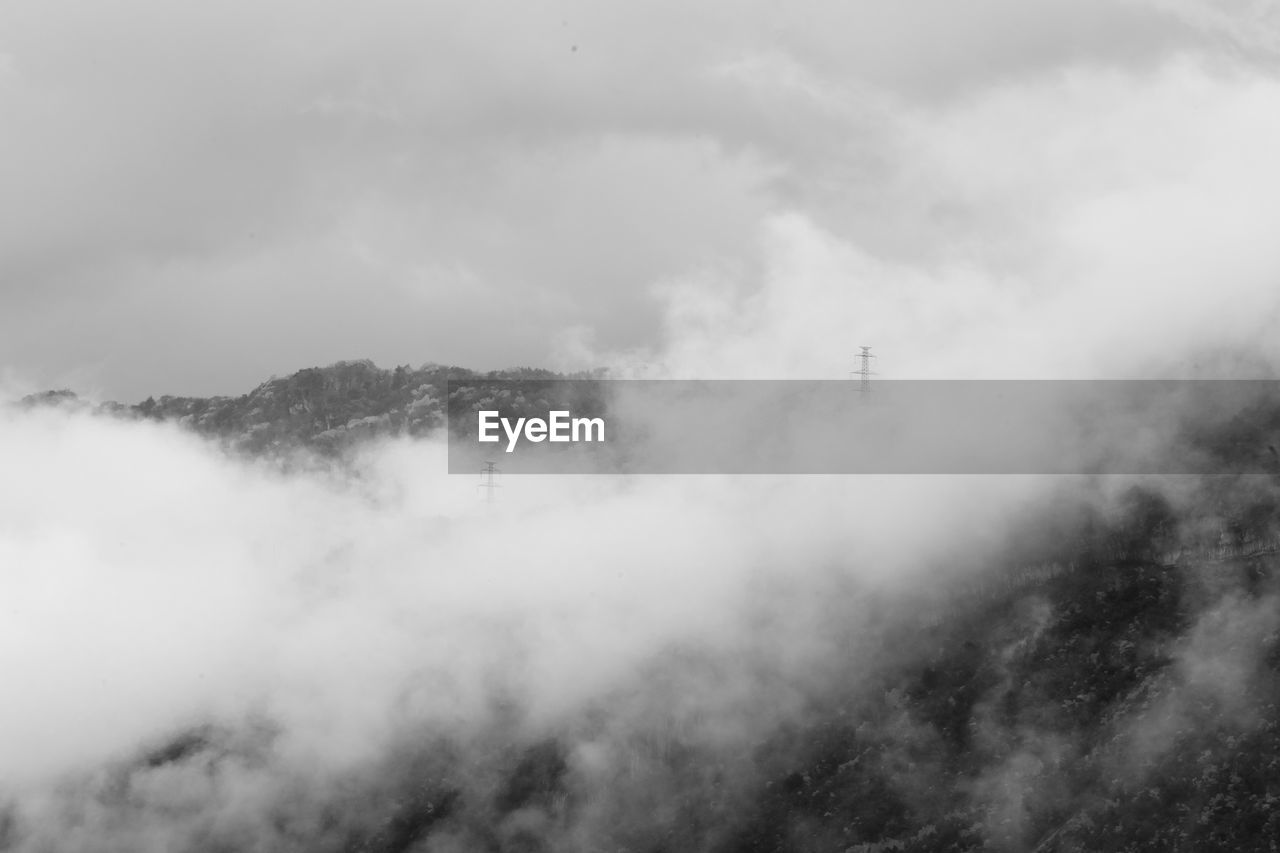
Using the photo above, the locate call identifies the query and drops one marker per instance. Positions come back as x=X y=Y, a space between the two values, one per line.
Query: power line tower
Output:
x=487 y=482
x=864 y=372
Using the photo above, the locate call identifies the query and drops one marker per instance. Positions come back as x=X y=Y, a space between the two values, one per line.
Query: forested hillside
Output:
x=325 y=409
x=1106 y=681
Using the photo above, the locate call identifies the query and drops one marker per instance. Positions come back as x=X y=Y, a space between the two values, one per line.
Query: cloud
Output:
x=202 y=647
x=1097 y=224
x=152 y=583
x=502 y=175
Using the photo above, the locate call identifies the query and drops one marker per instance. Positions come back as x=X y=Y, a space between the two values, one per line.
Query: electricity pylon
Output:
x=864 y=372
x=487 y=483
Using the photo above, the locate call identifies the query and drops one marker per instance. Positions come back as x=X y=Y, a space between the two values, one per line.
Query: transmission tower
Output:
x=487 y=483
x=864 y=371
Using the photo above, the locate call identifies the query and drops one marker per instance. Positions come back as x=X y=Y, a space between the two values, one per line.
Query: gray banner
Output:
x=836 y=427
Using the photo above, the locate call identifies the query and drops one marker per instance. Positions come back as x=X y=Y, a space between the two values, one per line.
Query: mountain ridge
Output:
x=1108 y=679
x=323 y=409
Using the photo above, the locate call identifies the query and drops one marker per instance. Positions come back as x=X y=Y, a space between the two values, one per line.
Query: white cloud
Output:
x=568 y=154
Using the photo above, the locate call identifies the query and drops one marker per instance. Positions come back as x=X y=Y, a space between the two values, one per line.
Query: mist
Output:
x=155 y=585
x=209 y=649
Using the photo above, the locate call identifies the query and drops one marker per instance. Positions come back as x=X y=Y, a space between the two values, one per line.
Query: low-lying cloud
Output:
x=152 y=583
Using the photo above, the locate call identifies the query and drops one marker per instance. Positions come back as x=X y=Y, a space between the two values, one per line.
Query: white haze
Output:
x=151 y=584
x=1087 y=224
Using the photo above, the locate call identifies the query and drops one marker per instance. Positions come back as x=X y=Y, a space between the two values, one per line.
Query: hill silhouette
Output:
x=323 y=409
x=1105 y=682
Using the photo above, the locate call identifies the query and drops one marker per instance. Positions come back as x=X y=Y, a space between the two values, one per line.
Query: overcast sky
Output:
x=198 y=196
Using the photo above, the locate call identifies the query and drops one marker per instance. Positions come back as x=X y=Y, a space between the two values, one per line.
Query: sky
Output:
x=200 y=197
